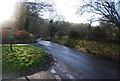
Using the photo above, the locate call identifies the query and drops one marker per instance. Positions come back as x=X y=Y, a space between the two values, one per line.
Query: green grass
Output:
x=61 y=41
x=109 y=50
x=22 y=58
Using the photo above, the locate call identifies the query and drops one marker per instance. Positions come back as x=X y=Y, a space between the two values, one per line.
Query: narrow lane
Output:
x=77 y=65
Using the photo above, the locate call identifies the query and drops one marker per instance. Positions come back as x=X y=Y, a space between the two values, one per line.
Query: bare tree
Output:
x=104 y=8
x=55 y=24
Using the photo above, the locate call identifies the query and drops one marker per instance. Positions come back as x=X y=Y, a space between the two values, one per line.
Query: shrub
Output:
x=20 y=36
x=117 y=37
x=108 y=50
x=5 y=33
x=96 y=34
x=71 y=42
x=20 y=32
x=5 y=36
x=73 y=34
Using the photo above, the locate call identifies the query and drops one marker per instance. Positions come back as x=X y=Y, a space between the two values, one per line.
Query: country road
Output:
x=73 y=64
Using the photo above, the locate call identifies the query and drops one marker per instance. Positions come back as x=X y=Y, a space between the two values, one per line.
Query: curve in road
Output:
x=78 y=65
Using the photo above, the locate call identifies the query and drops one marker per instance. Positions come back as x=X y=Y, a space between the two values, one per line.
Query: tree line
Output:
x=30 y=18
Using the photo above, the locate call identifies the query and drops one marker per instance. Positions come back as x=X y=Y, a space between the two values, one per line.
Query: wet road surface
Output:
x=73 y=64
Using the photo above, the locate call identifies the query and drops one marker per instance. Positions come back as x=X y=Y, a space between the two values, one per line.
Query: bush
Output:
x=23 y=58
x=20 y=36
x=117 y=37
x=73 y=34
x=108 y=50
x=5 y=36
x=96 y=34
x=71 y=43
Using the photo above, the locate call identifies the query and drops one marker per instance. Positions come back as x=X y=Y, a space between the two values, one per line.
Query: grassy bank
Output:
x=109 y=50
x=22 y=59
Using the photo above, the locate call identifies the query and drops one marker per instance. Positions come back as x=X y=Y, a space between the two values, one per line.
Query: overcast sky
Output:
x=67 y=8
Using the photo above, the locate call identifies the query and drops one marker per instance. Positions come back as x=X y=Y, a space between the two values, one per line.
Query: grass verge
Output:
x=22 y=59
x=108 y=50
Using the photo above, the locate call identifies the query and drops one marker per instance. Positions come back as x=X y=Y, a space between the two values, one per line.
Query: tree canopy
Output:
x=106 y=9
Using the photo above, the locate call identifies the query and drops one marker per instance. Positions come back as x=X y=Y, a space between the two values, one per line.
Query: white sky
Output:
x=6 y=9
x=67 y=8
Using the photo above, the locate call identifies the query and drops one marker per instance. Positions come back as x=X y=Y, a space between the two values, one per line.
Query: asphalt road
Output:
x=73 y=64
